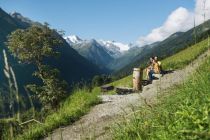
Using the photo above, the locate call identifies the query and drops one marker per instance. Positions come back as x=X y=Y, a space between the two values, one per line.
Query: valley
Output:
x=121 y=70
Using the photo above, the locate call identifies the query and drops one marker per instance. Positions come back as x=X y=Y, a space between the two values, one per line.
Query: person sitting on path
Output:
x=159 y=63
x=149 y=67
x=155 y=69
x=160 y=66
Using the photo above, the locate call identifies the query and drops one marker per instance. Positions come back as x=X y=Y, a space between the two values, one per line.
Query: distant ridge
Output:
x=171 y=45
x=99 y=52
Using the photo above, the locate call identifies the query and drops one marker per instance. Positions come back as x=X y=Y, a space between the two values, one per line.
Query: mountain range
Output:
x=108 y=55
x=120 y=58
x=100 y=52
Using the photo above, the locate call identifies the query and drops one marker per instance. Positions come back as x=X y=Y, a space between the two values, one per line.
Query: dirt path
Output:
x=96 y=124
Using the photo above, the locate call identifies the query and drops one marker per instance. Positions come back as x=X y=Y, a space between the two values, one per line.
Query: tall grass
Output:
x=183 y=114
x=6 y=126
x=71 y=110
x=186 y=56
x=13 y=91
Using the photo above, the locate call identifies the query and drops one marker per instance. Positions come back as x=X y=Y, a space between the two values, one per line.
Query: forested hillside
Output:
x=169 y=46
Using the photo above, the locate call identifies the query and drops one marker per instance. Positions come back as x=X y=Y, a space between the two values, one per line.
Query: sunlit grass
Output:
x=124 y=82
x=186 y=56
x=182 y=114
x=174 y=62
x=78 y=104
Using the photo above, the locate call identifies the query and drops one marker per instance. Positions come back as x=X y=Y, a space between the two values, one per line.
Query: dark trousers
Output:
x=151 y=72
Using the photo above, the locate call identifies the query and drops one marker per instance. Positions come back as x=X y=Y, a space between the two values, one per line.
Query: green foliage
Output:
x=100 y=80
x=97 y=81
x=72 y=66
x=176 y=61
x=4 y=104
x=6 y=125
x=168 y=47
x=33 y=46
x=126 y=82
x=182 y=114
x=53 y=89
x=186 y=56
x=71 y=110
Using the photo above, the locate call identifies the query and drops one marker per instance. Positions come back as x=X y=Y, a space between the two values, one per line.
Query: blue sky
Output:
x=119 y=20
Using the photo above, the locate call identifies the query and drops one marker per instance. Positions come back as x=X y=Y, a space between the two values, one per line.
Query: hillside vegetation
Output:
x=168 y=47
x=81 y=100
x=183 y=58
x=182 y=114
x=71 y=110
x=177 y=61
x=73 y=68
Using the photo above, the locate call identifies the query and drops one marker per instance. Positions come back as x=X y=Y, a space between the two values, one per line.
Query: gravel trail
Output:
x=96 y=124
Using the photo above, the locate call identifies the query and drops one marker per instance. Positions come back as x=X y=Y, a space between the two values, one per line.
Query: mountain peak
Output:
x=113 y=48
x=23 y=20
x=93 y=41
x=73 y=39
x=122 y=47
x=14 y=14
x=17 y=15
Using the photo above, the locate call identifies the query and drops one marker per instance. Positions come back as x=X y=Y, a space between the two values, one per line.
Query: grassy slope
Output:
x=176 y=61
x=73 y=108
x=81 y=101
x=184 y=114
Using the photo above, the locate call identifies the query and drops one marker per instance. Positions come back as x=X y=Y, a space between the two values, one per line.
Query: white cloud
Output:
x=180 y=19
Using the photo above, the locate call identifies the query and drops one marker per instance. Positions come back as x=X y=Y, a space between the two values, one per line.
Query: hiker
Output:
x=160 y=66
x=153 y=68
x=149 y=67
x=156 y=59
x=156 y=66
x=158 y=62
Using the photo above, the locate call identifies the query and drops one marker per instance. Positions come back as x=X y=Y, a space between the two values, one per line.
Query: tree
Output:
x=100 y=80
x=97 y=80
x=32 y=46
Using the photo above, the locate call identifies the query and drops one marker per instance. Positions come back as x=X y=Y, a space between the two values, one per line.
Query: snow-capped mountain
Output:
x=73 y=39
x=99 y=52
x=111 y=44
x=114 y=49
x=94 y=52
